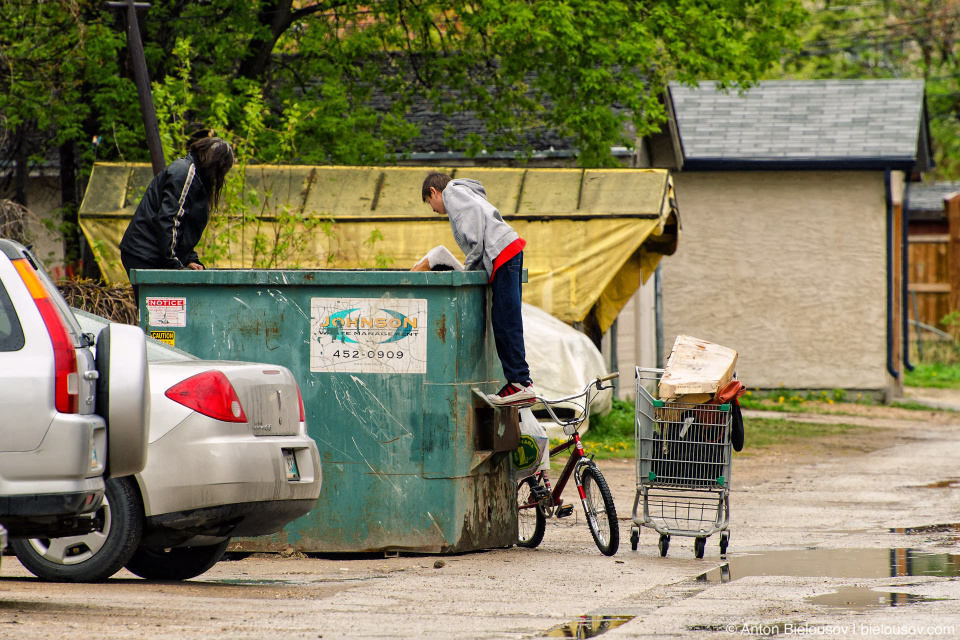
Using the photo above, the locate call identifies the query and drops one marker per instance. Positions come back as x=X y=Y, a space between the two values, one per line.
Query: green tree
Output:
x=590 y=70
x=890 y=39
x=58 y=64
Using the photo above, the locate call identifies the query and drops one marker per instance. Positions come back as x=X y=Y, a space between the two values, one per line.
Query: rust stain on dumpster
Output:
x=492 y=520
x=441 y=324
x=269 y=330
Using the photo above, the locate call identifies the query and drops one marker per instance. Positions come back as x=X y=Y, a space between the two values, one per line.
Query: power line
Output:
x=887 y=27
x=844 y=7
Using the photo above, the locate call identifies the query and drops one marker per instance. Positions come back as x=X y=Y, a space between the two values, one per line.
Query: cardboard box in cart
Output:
x=696 y=370
x=386 y=361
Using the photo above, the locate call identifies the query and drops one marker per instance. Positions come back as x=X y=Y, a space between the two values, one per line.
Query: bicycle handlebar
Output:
x=586 y=399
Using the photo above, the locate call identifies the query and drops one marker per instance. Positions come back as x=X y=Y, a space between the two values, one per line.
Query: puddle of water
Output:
x=274 y=582
x=588 y=626
x=843 y=563
x=864 y=599
x=252 y=582
x=837 y=563
x=953 y=527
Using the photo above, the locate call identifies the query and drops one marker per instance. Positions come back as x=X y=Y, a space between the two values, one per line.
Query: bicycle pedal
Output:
x=565 y=510
x=539 y=492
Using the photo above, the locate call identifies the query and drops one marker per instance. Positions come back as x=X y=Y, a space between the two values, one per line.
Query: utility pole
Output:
x=147 y=109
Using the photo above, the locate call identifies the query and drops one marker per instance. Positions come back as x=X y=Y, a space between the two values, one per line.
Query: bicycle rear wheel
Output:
x=530 y=519
x=601 y=513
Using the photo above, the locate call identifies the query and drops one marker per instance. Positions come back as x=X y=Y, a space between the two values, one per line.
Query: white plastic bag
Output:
x=533 y=453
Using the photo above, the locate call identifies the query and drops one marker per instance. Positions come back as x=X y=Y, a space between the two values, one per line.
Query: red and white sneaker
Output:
x=513 y=394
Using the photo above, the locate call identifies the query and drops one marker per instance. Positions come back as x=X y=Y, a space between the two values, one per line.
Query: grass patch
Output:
x=793 y=401
x=612 y=435
x=937 y=375
x=762 y=433
x=912 y=405
x=824 y=402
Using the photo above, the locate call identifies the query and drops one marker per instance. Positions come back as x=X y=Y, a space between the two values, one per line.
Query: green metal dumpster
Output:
x=387 y=362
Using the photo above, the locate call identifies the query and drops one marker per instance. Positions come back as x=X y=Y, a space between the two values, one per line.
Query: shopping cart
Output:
x=683 y=468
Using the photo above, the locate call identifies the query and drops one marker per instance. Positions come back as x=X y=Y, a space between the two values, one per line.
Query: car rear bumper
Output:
x=73 y=451
x=47 y=515
x=196 y=466
x=223 y=521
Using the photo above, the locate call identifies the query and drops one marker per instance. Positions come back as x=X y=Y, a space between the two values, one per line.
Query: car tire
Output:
x=177 y=563
x=97 y=555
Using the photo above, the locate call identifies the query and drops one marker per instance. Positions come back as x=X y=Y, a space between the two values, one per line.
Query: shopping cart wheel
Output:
x=724 y=541
x=634 y=538
x=699 y=544
x=664 y=544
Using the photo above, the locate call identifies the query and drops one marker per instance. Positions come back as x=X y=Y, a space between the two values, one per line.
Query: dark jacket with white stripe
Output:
x=170 y=218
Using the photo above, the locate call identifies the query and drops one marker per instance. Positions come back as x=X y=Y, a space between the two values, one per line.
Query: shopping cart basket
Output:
x=683 y=468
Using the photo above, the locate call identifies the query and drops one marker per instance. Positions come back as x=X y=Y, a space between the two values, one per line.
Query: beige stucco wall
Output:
x=788 y=268
x=636 y=341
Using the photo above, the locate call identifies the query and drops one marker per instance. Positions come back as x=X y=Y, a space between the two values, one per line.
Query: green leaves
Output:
x=341 y=78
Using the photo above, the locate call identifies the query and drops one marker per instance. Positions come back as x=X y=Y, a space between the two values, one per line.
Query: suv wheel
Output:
x=95 y=556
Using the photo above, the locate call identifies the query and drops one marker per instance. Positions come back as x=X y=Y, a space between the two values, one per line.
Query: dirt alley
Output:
x=850 y=494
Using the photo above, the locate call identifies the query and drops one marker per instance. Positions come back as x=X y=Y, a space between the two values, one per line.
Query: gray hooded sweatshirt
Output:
x=477 y=227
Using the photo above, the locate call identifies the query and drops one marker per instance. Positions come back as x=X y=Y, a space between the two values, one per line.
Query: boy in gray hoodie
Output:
x=491 y=244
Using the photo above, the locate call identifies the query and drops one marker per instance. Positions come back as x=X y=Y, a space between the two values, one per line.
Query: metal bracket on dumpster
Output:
x=483 y=399
x=498 y=428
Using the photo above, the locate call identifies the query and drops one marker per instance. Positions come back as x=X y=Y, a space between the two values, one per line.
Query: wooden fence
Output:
x=929 y=283
x=934 y=270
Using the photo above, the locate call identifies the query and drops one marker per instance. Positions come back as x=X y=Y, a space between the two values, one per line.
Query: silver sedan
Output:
x=228 y=456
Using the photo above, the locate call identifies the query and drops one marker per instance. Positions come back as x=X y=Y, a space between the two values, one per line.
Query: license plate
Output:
x=290 y=463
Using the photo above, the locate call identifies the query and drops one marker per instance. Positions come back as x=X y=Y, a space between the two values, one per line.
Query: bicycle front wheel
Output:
x=601 y=513
x=530 y=519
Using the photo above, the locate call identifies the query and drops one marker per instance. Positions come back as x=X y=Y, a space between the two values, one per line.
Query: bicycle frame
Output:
x=595 y=497
x=573 y=464
x=570 y=468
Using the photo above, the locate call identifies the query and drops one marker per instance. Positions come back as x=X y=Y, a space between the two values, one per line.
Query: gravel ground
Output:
x=821 y=536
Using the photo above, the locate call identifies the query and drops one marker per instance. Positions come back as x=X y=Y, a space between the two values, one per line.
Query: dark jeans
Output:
x=507 y=321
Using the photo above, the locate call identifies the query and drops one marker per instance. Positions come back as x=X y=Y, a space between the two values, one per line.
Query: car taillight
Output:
x=303 y=414
x=211 y=394
x=66 y=375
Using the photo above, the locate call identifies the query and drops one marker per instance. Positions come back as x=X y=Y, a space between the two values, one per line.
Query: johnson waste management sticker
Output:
x=368 y=335
x=167 y=312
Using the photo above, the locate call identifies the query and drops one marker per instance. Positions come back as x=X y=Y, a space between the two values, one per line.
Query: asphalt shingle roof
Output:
x=830 y=123
x=925 y=199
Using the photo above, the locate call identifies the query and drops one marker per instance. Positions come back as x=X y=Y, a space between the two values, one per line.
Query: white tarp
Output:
x=562 y=360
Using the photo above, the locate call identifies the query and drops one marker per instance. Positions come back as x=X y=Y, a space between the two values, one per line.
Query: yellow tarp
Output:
x=591 y=234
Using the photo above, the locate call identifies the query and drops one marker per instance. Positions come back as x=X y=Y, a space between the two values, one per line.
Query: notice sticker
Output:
x=368 y=335
x=167 y=312
x=164 y=336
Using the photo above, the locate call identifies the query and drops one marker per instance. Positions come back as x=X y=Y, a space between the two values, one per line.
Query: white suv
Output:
x=67 y=420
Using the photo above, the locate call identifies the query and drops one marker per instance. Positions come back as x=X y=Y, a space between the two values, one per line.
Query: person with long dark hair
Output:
x=175 y=208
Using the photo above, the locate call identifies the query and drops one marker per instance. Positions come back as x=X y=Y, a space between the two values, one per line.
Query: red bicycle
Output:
x=537 y=501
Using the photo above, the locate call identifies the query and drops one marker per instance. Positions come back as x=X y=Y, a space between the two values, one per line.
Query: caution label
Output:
x=164 y=336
